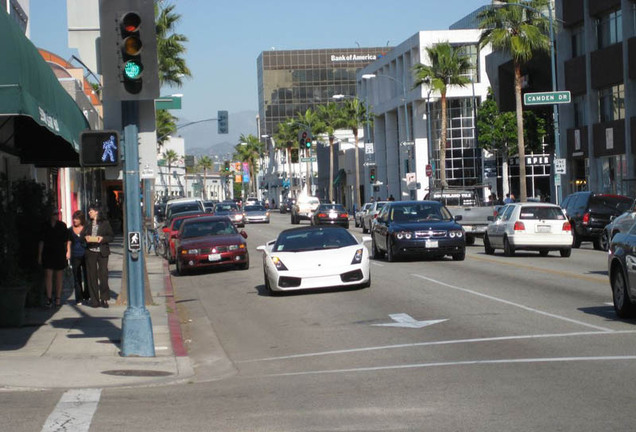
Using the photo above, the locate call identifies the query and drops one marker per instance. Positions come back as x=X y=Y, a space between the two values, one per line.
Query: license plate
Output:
x=468 y=227
x=214 y=257
x=431 y=243
x=333 y=215
x=543 y=228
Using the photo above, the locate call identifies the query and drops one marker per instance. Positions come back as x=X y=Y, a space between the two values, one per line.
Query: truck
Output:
x=304 y=208
x=468 y=204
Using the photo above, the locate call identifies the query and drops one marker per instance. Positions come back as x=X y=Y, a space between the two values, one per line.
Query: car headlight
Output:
x=238 y=217
x=456 y=233
x=278 y=263
x=403 y=235
x=357 y=258
x=190 y=251
x=233 y=247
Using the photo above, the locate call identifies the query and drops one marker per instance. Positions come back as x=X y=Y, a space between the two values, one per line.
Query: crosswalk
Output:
x=74 y=412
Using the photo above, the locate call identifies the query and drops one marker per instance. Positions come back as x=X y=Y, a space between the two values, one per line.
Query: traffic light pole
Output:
x=137 y=338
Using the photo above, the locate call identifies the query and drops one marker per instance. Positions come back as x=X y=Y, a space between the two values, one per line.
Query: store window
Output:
x=609 y=29
x=611 y=103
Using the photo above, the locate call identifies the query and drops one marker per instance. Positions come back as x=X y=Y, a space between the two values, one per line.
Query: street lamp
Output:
x=555 y=107
x=406 y=118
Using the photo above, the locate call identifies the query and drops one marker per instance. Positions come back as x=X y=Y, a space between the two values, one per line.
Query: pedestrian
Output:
x=508 y=199
x=54 y=251
x=98 y=234
x=78 y=262
x=372 y=199
x=391 y=198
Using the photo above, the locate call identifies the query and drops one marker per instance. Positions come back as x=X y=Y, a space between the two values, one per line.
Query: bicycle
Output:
x=156 y=243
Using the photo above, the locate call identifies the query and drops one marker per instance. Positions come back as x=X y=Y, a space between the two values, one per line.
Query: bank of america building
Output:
x=289 y=82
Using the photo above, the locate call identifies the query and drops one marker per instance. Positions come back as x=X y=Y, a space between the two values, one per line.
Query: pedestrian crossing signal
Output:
x=99 y=148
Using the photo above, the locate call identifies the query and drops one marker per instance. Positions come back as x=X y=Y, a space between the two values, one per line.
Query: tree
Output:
x=308 y=120
x=166 y=125
x=205 y=163
x=354 y=116
x=170 y=46
x=331 y=115
x=285 y=137
x=249 y=149
x=170 y=156
x=448 y=66
x=519 y=32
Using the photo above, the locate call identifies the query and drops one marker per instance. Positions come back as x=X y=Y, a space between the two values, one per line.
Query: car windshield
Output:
x=251 y=208
x=541 y=213
x=177 y=224
x=226 y=208
x=204 y=228
x=184 y=208
x=313 y=239
x=328 y=207
x=419 y=212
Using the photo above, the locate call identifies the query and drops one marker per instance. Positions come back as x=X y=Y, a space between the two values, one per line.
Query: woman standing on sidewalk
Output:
x=98 y=236
x=78 y=252
x=54 y=251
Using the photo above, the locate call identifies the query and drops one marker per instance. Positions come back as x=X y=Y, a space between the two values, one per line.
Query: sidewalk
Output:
x=79 y=346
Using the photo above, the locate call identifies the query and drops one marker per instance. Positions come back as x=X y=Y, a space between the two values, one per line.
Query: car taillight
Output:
x=344 y=215
x=322 y=215
x=567 y=226
x=519 y=226
x=586 y=219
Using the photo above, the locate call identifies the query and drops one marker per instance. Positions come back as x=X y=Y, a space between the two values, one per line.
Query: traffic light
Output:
x=222 y=122
x=99 y=148
x=304 y=139
x=372 y=175
x=129 y=50
x=226 y=166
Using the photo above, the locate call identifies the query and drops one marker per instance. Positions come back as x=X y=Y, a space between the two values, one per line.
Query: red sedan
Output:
x=170 y=233
x=210 y=241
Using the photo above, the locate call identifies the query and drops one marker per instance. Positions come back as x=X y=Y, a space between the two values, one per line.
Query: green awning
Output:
x=340 y=177
x=45 y=119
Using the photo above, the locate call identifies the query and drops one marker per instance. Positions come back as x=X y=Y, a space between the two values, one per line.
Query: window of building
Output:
x=611 y=103
x=472 y=54
x=609 y=29
x=580 y=111
x=578 y=41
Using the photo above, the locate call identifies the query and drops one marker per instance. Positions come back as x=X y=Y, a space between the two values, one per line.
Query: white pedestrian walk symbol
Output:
x=134 y=241
x=109 y=147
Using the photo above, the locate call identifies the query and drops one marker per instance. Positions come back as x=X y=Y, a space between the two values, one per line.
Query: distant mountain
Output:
x=202 y=139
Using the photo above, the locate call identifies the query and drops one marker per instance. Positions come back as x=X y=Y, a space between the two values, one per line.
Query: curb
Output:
x=174 y=326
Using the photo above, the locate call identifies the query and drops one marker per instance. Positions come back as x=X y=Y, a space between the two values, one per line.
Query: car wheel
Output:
x=544 y=253
x=268 y=286
x=364 y=228
x=180 y=270
x=470 y=240
x=246 y=264
x=565 y=253
x=390 y=255
x=355 y=223
x=459 y=256
x=346 y=226
x=576 y=239
x=622 y=305
x=375 y=252
x=367 y=284
x=598 y=243
x=604 y=241
x=509 y=250
x=487 y=247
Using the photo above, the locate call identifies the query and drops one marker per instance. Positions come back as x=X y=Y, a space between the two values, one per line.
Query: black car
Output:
x=286 y=205
x=622 y=272
x=417 y=228
x=331 y=214
x=590 y=212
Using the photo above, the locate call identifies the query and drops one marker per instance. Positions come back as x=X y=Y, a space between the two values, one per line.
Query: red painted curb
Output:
x=173 y=318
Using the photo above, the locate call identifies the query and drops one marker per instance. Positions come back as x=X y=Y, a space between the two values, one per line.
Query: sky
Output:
x=226 y=37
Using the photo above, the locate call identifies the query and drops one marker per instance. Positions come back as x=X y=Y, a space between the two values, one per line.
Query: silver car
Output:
x=357 y=218
x=255 y=213
x=369 y=217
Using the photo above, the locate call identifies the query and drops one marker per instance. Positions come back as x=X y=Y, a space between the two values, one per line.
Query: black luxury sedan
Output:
x=423 y=228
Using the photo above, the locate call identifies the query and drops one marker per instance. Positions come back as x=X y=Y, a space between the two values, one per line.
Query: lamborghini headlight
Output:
x=357 y=258
x=278 y=263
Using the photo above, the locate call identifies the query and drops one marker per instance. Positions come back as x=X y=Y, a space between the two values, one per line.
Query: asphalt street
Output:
x=492 y=343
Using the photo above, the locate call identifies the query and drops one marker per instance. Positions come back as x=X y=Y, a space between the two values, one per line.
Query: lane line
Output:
x=444 y=342
x=74 y=411
x=541 y=269
x=509 y=303
x=458 y=363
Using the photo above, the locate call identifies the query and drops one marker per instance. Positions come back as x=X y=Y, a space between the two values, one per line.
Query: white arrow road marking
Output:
x=74 y=411
x=407 y=321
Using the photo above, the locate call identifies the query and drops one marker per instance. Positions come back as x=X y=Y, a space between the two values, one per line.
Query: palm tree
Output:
x=309 y=120
x=285 y=137
x=170 y=156
x=170 y=46
x=205 y=163
x=354 y=116
x=249 y=149
x=332 y=117
x=166 y=125
x=519 y=32
x=448 y=66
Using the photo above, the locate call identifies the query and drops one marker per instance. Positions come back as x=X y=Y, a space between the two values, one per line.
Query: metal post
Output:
x=555 y=107
x=137 y=338
x=431 y=179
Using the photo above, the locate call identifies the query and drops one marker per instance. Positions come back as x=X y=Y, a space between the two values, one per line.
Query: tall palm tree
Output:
x=166 y=125
x=332 y=117
x=448 y=66
x=355 y=116
x=309 y=120
x=250 y=149
x=519 y=32
x=205 y=163
x=170 y=156
x=285 y=137
x=170 y=46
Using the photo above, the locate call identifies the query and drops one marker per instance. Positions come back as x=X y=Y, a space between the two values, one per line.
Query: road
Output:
x=488 y=344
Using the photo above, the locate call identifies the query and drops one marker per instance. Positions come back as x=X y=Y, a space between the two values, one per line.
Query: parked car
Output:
x=621 y=268
x=253 y=213
x=209 y=205
x=286 y=205
x=357 y=217
x=231 y=210
x=589 y=213
x=331 y=214
x=183 y=204
x=170 y=232
x=417 y=228
x=314 y=257
x=210 y=241
x=618 y=224
x=370 y=215
x=531 y=226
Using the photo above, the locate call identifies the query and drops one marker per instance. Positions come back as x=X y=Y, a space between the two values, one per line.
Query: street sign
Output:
x=547 y=98
x=368 y=148
x=429 y=170
x=557 y=180
x=308 y=159
x=559 y=166
x=134 y=241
